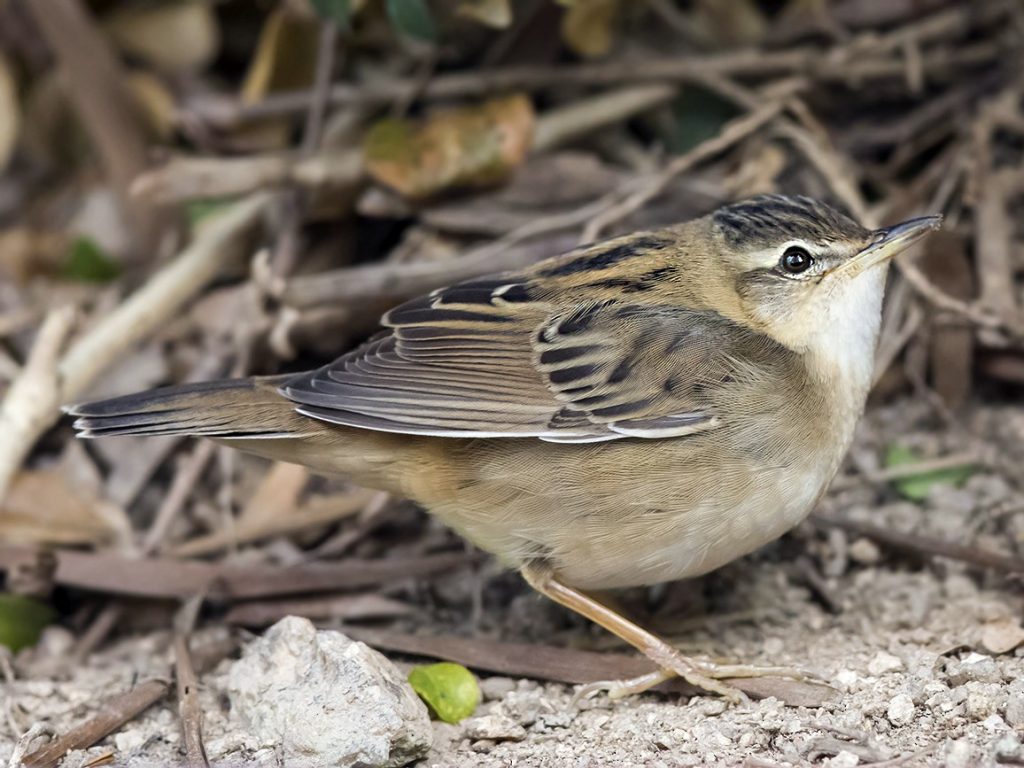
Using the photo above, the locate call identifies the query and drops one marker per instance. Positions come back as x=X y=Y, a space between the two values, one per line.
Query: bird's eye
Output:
x=796 y=260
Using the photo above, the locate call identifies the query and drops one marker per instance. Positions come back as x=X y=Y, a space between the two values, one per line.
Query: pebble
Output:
x=975 y=667
x=495 y=688
x=960 y=754
x=843 y=759
x=865 y=552
x=884 y=663
x=494 y=728
x=1015 y=710
x=901 y=710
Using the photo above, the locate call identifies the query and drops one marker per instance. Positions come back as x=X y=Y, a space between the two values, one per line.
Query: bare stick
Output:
x=148 y=308
x=733 y=132
x=118 y=710
x=923 y=545
x=840 y=63
x=33 y=405
x=188 y=178
x=182 y=486
x=564 y=124
x=34 y=396
x=97 y=88
x=189 y=709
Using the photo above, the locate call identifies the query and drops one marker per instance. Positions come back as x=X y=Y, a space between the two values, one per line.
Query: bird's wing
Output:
x=485 y=359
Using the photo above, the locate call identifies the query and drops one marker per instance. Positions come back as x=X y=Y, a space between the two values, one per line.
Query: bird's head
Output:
x=804 y=273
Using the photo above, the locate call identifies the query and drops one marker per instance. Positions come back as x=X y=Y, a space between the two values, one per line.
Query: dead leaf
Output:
x=156 y=104
x=47 y=507
x=284 y=60
x=739 y=22
x=285 y=57
x=276 y=497
x=178 y=36
x=588 y=26
x=467 y=147
x=493 y=13
x=10 y=112
x=273 y=511
x=26 y=253
x=1002 y=635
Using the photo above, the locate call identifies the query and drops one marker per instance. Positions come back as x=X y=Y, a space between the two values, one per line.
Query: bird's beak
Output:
x=891 y=241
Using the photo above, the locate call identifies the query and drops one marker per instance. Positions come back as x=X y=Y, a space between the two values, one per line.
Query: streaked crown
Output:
x=763 y=220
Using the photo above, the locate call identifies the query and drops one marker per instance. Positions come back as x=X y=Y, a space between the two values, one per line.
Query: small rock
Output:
x=1014 y=714
x=847 y=678
x=901 y=710
x=494 y=688
x=865 y=552
x=494 y=728
x=979 y=705
x=324 y=699
x=975 y=667
x=884 y=663
x=843 y=760
x=960 y=754
x=129 y=741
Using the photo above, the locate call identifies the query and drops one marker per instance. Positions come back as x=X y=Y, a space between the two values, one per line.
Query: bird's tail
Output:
x=228 y=409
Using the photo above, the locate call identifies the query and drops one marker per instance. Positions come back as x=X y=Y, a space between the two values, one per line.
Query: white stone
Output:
x=901 y=710
x=129 y=741
x=843 y=760
x=884 y=663
x=960 y=754
x=847 y=678
x=495 y=728
x=323 y=699
x=1015 y=710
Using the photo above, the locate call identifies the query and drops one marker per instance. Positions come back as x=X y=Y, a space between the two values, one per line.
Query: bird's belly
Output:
x=622 y=527
x=687 y=543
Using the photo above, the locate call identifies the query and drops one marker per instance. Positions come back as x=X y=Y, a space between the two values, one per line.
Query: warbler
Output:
x=639 y=410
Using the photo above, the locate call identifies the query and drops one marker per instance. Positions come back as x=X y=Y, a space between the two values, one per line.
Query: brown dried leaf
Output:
x=10 y=112
x=493 y=13
x=1002 y=635
x=285 y=57
x=156 y=103
x=48 y=507
x=739 y=22
x=175 y=37
x=467 y=147
x=588 y=26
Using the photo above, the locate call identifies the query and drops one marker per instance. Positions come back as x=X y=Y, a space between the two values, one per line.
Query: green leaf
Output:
x=87 y=262
x=916 y=487
x=450 y=690
x=22 y=620
x=413 y=18
x=699 y=114
x=339 y=10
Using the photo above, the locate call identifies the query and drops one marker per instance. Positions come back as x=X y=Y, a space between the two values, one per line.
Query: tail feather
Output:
x=232 y=408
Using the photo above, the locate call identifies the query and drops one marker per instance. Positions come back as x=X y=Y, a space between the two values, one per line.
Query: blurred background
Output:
x=192 y=189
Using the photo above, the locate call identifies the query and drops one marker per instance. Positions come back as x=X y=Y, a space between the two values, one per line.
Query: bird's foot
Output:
x=707 y=676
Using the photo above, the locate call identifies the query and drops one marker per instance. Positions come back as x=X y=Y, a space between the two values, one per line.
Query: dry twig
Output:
x=34 y=396
x=187 y=683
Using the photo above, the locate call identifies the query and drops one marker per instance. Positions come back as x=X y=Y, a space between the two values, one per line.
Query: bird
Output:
x=634 y=411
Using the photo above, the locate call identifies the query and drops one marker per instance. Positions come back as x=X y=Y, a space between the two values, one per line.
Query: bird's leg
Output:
x=671 y=663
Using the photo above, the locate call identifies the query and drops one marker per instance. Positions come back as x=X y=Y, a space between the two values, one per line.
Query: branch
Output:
x=34 y=397
x=96 y=87
x=33 y=403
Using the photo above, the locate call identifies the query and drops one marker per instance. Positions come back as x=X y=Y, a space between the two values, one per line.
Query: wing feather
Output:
x=486 y=358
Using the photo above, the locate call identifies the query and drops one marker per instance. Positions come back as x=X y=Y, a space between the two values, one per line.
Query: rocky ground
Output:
x=925 y=655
